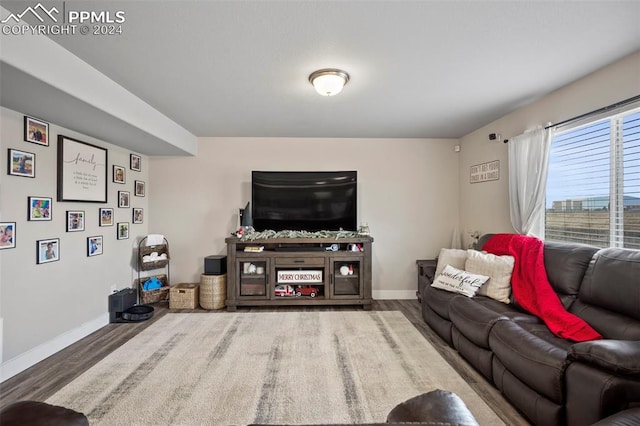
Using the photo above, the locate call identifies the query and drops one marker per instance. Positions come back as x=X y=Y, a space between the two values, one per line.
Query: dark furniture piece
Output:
x=553 y=381
x=270 y=277
x=426 y=272
x=34 y=413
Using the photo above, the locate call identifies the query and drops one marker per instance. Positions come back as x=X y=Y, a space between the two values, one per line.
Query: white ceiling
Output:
x=425 y=69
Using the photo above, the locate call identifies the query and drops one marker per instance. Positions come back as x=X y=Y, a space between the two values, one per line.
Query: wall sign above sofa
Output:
x=485 y=172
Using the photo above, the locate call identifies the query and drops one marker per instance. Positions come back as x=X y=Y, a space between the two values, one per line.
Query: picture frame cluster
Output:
x=82 y=170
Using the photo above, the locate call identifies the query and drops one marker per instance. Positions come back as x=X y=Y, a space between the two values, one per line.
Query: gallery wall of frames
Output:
x=72 y=209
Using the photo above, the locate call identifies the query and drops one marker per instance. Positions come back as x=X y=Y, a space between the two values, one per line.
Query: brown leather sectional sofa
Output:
x=553 y=381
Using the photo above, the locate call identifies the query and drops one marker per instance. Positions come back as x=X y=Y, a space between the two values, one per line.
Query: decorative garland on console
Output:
x=267 y=234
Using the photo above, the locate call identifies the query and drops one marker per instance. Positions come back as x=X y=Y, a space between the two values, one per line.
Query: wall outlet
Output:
x=114 y=289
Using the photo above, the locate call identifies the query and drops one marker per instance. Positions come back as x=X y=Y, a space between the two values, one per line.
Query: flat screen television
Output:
x=304 y=201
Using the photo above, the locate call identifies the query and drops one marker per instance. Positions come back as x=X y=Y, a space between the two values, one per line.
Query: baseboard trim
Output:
x=33 y=356
x=394 y=294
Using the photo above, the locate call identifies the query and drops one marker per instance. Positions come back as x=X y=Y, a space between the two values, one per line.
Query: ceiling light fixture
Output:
x=328 y=81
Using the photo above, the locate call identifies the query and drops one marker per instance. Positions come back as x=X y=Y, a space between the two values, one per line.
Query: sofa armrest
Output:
x=618 y=356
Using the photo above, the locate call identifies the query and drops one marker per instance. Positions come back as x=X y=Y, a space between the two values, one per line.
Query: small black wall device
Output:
x=120 y=302
x=215 y=265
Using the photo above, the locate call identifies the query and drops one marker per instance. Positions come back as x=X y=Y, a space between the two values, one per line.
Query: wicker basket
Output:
x=156 y=264
x=213 y=291
x=183 y=296
x=153 y=296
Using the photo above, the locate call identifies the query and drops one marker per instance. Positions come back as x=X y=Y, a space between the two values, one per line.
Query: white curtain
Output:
x=528 y=165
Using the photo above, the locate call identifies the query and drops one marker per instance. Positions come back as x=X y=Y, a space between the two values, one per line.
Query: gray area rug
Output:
x=271 y=368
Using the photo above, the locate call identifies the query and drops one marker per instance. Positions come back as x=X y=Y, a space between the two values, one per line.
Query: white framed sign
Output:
x=306 y=276
x=485 y=172
x=82 y=171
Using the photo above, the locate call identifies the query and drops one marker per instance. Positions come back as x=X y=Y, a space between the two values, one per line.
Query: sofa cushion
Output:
x=566 y=264
x=473 y=320
x=610 y=324
x=619 y=356
x=453 y=257
x=438 y=300
x=532 y=354
x=441 y=326
x=612 y=282
x=497 y=268
x=511 y=311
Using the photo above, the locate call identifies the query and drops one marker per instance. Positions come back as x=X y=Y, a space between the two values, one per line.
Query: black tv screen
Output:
x=304 y=201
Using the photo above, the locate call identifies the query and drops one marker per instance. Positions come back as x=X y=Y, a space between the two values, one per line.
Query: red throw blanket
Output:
x=531 y=287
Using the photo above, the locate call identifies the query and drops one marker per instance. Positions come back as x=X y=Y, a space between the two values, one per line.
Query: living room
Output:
x=414 y=193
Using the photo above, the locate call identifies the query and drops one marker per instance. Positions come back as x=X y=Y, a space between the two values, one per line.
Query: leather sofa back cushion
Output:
x=610 y=324
x=566 y=264
x=612 y=282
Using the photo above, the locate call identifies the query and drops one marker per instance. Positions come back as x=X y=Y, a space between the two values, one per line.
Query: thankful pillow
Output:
x=497 y=268
x=453 y=257
x=458 y=281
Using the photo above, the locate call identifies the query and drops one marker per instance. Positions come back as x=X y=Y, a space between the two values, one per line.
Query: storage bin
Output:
x=183 y=296
x=153 y=296
x=213 y=291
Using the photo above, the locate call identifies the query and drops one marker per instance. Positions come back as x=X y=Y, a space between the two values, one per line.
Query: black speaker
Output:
x=215 y=265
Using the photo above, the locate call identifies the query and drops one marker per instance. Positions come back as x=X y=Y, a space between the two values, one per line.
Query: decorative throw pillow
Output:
x=497 y=268
x=457 y=281
x=453 y=257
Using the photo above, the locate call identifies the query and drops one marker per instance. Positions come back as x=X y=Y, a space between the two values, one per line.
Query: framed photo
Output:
x=82 y=171
x=106 y=216
x=75 y=220
x=137 y=215
x=135 y=163
x=123 y=230
x=7 y=235
x=139 y=189
x=21 y=163
x=119 y=174
x=94 y=245
x=39 y=208
x=48 y=250
x=123 y=198
x=36 y=131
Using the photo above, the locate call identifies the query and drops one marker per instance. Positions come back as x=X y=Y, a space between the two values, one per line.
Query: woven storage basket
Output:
x=213 y=291
x=183 y=296
x=156 y=264
x=153 y=296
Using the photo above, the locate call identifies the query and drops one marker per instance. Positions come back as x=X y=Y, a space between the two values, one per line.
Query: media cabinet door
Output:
x=346 y=278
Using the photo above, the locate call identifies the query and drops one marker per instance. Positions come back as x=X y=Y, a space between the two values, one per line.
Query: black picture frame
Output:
x=105 y=216
x=36 y=131
x=95 y=246
x=82 y=171
x=122 y=231
x=135 y=162
x=39 y=209
x=119 y=174
x=138 y=215
x=124 y=198
x=21 y=163
x=47 y=250
x=75 y=220
x=139 y=188
x=8 y=235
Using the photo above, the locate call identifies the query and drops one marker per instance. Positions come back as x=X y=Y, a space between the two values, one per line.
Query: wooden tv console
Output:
x=299 y=271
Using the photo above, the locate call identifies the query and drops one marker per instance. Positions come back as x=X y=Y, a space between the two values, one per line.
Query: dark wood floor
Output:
x=50 y=375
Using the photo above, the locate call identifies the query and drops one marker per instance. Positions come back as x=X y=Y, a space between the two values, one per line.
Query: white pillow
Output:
x=453 y=257
x=498 y=268
x=457 y=281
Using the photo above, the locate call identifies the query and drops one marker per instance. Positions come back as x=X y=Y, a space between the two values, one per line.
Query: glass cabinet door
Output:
x=254 y=277
x=347 y=279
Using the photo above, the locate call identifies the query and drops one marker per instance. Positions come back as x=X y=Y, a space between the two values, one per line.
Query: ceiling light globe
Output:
x=329 y=82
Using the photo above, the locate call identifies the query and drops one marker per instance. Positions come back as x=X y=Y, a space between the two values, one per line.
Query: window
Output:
x=593 y=185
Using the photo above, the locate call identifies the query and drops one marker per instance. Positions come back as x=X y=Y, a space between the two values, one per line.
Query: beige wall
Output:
x=407 y=193
x=485 y=206
x=46 y=307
